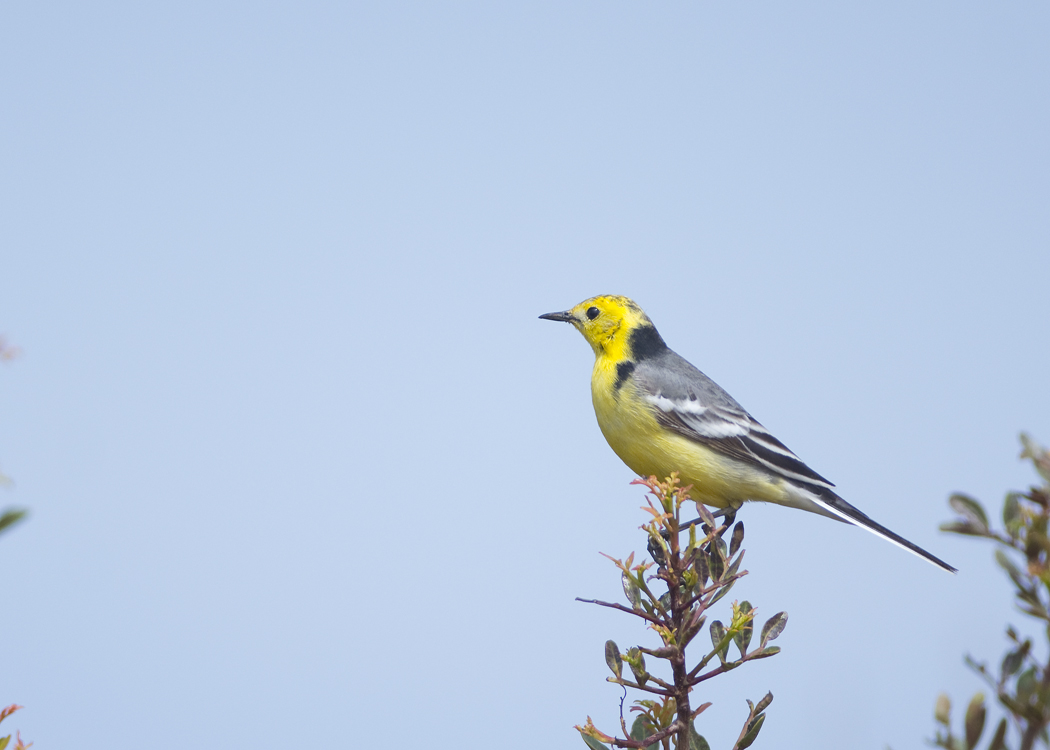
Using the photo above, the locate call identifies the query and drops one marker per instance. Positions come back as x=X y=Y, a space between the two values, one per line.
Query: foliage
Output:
x=1022 y=549
x=5 y=741
x=10 y=516
x=693 y=572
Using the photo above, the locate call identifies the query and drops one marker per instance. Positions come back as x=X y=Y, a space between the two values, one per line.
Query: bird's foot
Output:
x=728 y=513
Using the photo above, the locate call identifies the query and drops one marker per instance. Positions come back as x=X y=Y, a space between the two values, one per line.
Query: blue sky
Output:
x=303 y=465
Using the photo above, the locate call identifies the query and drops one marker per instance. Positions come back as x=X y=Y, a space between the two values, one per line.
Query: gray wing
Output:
x=691 y=404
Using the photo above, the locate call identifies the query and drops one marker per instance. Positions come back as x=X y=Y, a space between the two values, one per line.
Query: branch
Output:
x=651 y=739
x=628 y=610
x=724 y=643
x=724 y=667
x=700 y=710
x=747 y=724
x=659 y=653
x=657 y=691
x=720 y=669
x=713 y=589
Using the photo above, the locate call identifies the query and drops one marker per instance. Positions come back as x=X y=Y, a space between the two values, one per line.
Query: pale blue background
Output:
x=304 y=467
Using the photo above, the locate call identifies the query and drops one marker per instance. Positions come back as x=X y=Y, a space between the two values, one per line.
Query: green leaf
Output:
x=1034 y=611
x=642 y=728
x=718 y=632
x=716 y=563
x=722 y=592
x=4 y=741
x=700 y=623
x=702 y=570
x=743 y=636
x=1011 y=569
x=969 y=509
x=942 y=709
x=630 y=588
x=974 y=721
x=999 y=738
x=721 y=544
x=1029 y=596
x=1012 y=519
x=774 y=627
x=764 y=703
x=1026 y=686
x=705 y=515
x=1012 y=663
x=636 y=661
x=1039 y=455
x=738 y=538
x=591 y=743
x=696 y=740
x=613 y=659
x=765 y=652
x=1036 y=541
x=10 y=518
x=735 y=566
x=1012 y=705
x=963 y=527
x=752 y=731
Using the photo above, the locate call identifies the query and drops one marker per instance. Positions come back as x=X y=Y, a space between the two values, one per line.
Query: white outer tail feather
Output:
x=857 y=522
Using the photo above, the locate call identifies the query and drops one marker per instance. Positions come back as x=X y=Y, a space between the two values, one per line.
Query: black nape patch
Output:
x=646 y=342
x=623 y=371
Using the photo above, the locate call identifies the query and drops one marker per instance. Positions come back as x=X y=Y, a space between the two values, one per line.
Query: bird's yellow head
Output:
x=606 y=321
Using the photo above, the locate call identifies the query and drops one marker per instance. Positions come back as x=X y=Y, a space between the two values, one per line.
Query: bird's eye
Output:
x=593 y=312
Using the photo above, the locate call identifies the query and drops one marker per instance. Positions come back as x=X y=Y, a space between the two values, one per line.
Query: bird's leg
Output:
x=729 y=513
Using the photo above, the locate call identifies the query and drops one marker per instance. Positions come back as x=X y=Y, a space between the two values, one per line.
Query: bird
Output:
x=660 y=414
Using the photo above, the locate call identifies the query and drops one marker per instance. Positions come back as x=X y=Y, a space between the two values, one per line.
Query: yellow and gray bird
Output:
x=660 y=414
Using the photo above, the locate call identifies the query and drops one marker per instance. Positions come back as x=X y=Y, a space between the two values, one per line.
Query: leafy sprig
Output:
x=1021 y=683
x=694 y=569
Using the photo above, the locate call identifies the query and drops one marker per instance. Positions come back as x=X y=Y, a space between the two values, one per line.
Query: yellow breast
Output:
x=629 y=424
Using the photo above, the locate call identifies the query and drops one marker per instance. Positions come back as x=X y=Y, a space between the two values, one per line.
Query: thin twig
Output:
x=655 y=691
x=700 y=710
x=714 y=588
x=651 y=739
x=628 y=610
x=657 y=653
x=720 y=669
x=750 y=718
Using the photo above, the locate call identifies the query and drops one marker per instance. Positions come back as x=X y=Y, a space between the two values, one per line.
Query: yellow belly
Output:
x=630 y=426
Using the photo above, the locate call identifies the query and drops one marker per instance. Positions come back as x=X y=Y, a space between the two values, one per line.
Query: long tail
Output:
x=839 y=508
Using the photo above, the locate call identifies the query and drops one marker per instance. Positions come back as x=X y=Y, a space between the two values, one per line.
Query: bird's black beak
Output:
x=564 y=317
